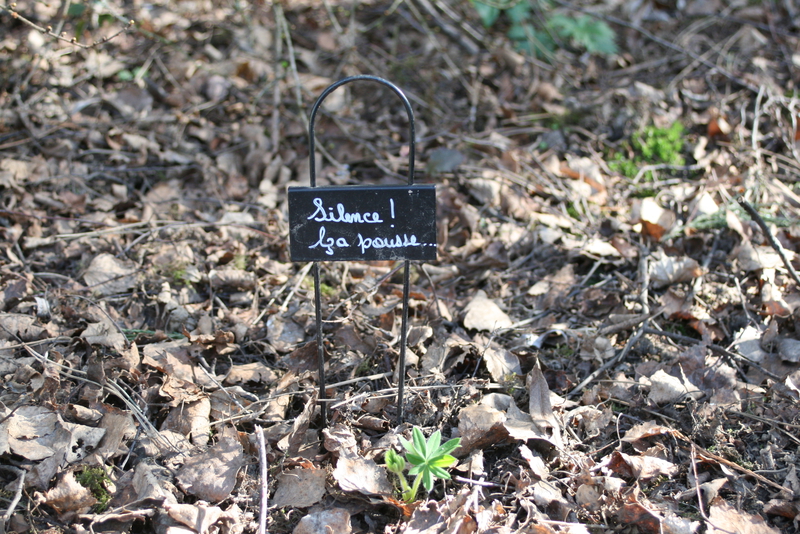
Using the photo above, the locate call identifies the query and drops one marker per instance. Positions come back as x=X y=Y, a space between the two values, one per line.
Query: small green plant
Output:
x=652 y=146
x=573 y=212
x=240 y=261
x=428 y=458
x=176 y=272
x=94 y=479
x=327 y=291
x=583 y=32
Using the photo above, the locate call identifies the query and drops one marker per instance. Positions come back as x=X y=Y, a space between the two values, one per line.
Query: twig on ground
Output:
x=49 y=30
x=109 y=387
x=770 y=238
x=474 y=482
x=716 y=348
x=301 y=276
x=104 y=312
x=755 y=136
x=17 y=494
x=771 y=422
x=628 y=323
x=454 y=33
x=433 y=290
x=280 y=20
x=262 y=457
x=659 y=166
x=734 y=465
x=275 y=134
x=700 y=505
x=644 y=278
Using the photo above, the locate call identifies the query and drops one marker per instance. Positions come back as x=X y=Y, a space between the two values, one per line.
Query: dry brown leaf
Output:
x=299 y=488
x=150 y=481
x=520 y=426
x=535 y=462
x=592 y=420
x=325 y=522
x=220 y=342
x=199 y=517
x=108 y=275
x=666 y=388
x=38 y=433
x=106 y=335
x=191 y=419
x=668 y=270
x=211 y=475
x=540 y=409
x=599 y=247
x=256 y=373
x=285 y=334
x=173 y=358
x=638 y=433
x=724 y=518
x=484 y=315
x=782 y=507
x=548 y=497
x=651 y=522
x=296 y=438
x=232 y=279
x=655 y=221
x=773 y=302
x=588 y=174
x=588 y=497
x=480 y=426
x=639 y=467
x=118 y=425
x=13 y=291
x=501 y=363
x=748 y=343
x=67 y=498
x=17 y=325
x=354 y=473
x=754 y=258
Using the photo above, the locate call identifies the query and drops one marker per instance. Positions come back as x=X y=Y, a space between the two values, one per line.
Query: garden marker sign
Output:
x=362 y=223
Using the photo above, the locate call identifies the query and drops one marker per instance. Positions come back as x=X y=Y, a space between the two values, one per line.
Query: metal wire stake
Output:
x=320 y=347
x=401 y=364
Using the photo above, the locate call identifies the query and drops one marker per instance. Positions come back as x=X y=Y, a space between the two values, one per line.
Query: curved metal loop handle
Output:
x=311 y=135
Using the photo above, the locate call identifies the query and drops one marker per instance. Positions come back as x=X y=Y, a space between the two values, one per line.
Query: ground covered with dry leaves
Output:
x=609 y=332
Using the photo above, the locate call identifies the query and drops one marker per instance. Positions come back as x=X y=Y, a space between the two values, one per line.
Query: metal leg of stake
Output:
x=320 y=348
x=401 y=362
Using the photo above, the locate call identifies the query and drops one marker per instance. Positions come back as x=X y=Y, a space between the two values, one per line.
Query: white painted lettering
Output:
x=366 y=243
x=341 y=215
x=327 y=244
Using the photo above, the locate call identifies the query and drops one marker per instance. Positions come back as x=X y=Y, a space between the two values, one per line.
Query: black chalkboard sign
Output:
x=362 y=223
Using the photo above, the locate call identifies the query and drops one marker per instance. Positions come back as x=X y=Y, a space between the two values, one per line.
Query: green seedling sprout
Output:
x=428 y=460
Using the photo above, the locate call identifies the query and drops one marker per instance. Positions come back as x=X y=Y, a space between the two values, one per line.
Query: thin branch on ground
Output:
x=715 y=348
x=17 y=494
x=770 y=238
x=454 y=33
x=644 y=280
x=50 y=33
x=262 y=458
